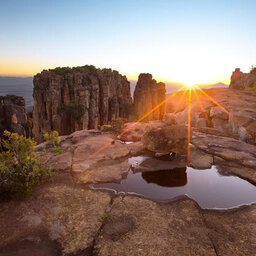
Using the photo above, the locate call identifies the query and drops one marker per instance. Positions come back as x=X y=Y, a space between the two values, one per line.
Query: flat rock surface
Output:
x=92 y=156
x=148 y=164
x=143 y=227
x=136 y=226
x=230 y=155
x=57 y=216
x=233 y=232
x=60 y=219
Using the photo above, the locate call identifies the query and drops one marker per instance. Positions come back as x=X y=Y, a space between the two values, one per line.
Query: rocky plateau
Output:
x=65 y=216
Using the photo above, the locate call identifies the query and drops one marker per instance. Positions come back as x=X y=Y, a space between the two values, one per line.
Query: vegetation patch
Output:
x=20 y=167
x=61 y=70
x=104 y=216
x=54 y=140
x=253 y=87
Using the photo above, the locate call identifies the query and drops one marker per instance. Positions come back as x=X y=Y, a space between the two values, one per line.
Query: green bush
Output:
x=61 y=70
x=54 y=140
x=20 y=167
x=253 y=87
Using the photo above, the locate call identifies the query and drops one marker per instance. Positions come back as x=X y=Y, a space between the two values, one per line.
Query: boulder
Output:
x=170 y=118
x=166 y=139
x=217 y=112
x=201 y=122
x=132 y=131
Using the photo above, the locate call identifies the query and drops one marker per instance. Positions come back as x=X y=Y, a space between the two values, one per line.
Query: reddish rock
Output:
x=170 y=118
x=67 y=100
x=148 y=94
x=219 y=111
x=13 y=115
x=166 y=139
x=241 y=81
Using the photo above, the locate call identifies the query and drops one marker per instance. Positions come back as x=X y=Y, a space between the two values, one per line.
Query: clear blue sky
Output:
x=184 y=41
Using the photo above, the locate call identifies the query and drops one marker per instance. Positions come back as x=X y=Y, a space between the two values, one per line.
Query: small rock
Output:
x=32 y=220
x=199 y=159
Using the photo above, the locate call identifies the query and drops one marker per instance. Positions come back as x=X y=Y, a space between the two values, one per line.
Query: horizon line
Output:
x=132 y=79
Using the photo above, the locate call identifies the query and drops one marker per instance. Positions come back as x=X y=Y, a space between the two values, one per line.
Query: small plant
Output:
x=117 y=124
x=104 y=216
x=54 y=140
x=56 y=150
x=20 y=167
x=253 y=87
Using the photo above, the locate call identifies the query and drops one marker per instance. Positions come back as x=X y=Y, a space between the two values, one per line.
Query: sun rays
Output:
x=189 y=127
x=183 y=91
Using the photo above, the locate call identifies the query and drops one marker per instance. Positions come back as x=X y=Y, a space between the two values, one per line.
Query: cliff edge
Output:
x=71 y=99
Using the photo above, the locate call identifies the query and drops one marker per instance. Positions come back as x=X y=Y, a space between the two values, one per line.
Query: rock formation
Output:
x=233 y=117
x=13 y=115
x=241 y=81
x=68 y=99
x=166 y=139
x=148 y=94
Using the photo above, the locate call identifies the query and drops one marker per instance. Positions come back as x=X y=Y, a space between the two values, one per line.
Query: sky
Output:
x=197 y=41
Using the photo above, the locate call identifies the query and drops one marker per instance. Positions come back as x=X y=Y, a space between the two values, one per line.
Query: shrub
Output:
x=61 y=70
x=54 y=140
x=253 y=87
x=20 y=167
x=104 y=216
x=117 y=124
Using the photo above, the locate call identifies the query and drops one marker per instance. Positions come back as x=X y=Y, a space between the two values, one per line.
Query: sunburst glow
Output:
x=190 y=85
x=186 y=90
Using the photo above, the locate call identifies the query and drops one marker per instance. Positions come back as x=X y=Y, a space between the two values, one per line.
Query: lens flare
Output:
x=131 y=126
x=186 y=89
x=190 y=85
x=189 y=127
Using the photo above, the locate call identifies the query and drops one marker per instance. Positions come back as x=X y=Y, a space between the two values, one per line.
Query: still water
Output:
x=207 y=187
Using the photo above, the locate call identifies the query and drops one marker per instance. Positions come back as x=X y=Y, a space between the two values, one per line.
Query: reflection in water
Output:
x=207 y=187
x=167 y=178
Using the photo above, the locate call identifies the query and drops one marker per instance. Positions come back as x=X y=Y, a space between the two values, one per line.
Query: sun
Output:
x=190 y=85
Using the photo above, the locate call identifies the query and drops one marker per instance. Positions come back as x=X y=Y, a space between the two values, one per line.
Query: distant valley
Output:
x=20 y=86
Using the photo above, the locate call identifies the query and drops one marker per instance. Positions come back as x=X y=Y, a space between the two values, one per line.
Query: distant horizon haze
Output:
x=23 y=86
x=132 y=80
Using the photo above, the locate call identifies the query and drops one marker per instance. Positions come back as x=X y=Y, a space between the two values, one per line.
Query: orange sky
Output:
x=29 y=69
